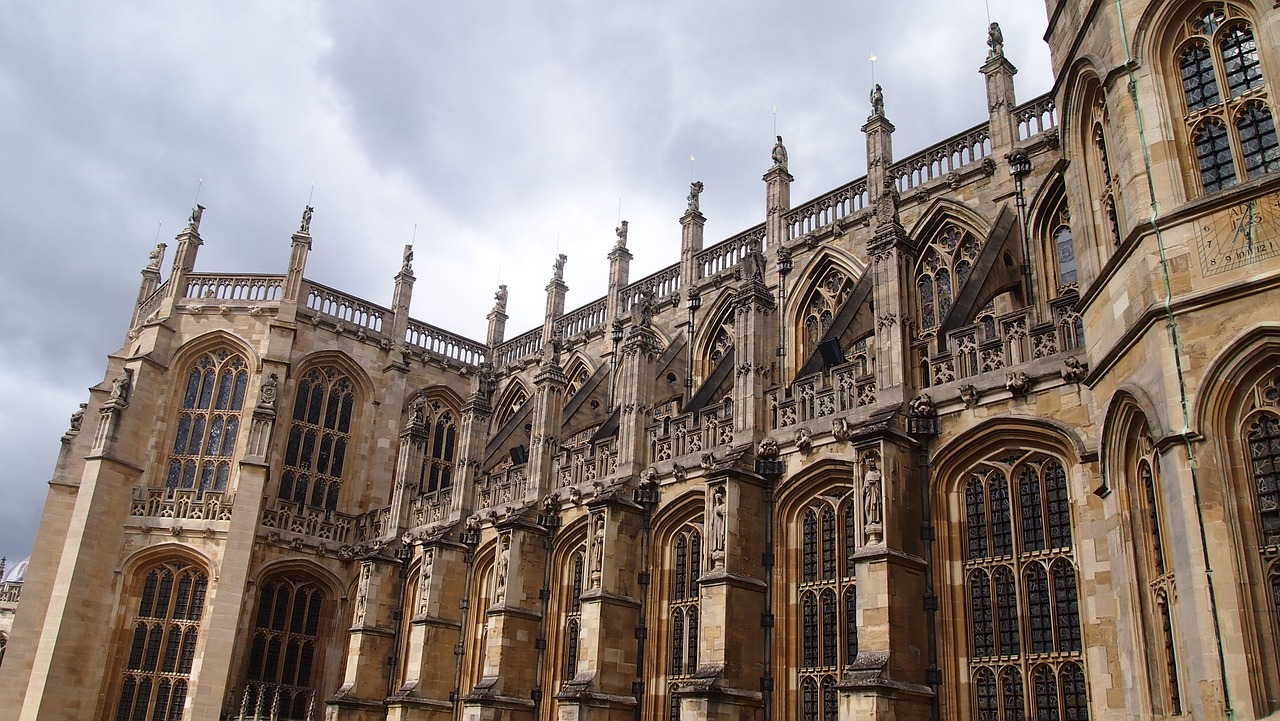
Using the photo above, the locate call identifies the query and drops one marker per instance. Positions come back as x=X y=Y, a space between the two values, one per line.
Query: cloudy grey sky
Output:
x=500 y=128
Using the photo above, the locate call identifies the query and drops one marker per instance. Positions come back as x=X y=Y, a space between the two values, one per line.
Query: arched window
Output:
x=162 y=649
x=1023 y=602
x=942 y=271
x=820 y=307
x=318 y=437
x=1228 y=116
x=205 y=441
x=683 y=607
x=438 y=456
x=827 y=592
x=512 y=401
x=573 y=617
x=285 y=652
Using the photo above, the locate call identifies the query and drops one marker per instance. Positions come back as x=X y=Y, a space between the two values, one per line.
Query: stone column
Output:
x=401 y=297
x=370 y=644
x=889 y=678
x=427 y=690
x=691 y=226
x=473 y=433
x=891 y=254
x=413 y=445
x=184 y=261
x=1001 y=101
x=756 y=334
x=548 y=413
x=299 y=248
x=601 y=688
x=727 y=684
x=619 y=274
x=635 y=390
x=509 y=673
x=497 y=320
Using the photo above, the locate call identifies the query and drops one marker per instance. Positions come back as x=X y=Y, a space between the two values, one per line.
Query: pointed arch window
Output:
x=942 y=271
x=1023 y=601
x=315 y=457
x=573 y=616
x=162 y=648
x=820 y=307
x=513 y=400
x=441 y=449
x=285 y=652
x=828 y=602
x=205 y=440
x=684 y=601
x=1228 y=115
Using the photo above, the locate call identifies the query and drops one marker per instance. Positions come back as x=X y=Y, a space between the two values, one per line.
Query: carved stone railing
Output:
x=684 y=434
x=333 y=527
x=249 y=288
x=522 y=346
x=503 y=487
x=272 y=702
x=344 y=308
x=152 y=302
x=443 y=343
x=10 y=592
x=586 y=318
x=1036 y=116
x=586 y=463
x=430 y=507
x=728 y=253
x=846 y=387
x=827 y=209
x=661 y=284
x=156 y=503
x=939 y=160
x=976 y=349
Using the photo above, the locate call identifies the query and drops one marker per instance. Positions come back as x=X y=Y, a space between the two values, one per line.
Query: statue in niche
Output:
x=120 y=387
x=305 y=226
x=77 y=418
x=887 y=205
x=643 y=311
x=695 y=190
x=995 y=41
x=406 y=262
x=597 y=551
x=779 y=154
x=621 y=232
x=753 y=265
x=500 y=571
x=557 y=268
x=424 y=579
x=362 y=592
x=193 y=223
x=500 y=299
x=719 y=526
x=267 y=393
x=417 y=411
x=877 y=100
x=157 y=255
x=872 y=494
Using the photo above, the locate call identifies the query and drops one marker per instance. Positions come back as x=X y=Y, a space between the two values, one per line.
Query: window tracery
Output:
x=319 y=433
x=820 y=307
x=1228 y=116
x=1025 y=643
x=163 y=645
x=285 y=653
x=208 y=424
x=1261 y=435
x=512 y=402
x=828 y=602
x=573 y=618
x=943 y=268
x=682 y=609
x=438 y=456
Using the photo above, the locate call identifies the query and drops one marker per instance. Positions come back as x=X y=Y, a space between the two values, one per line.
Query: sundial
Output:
x=1247 y=233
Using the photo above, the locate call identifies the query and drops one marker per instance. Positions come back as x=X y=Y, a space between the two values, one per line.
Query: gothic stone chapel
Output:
x=990 y=433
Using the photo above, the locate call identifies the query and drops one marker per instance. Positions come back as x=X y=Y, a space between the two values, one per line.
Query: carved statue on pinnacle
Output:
x=500 y=299
x=305 y=227
x=156 y=256
x=779 y=154
x=995 y=41
x=695 y=190
x=621 y=232
x=557 y=268
x=877 y=100
x=193 y=223
x=406 y=260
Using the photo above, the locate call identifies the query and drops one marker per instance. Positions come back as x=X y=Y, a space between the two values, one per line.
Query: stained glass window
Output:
x=809 y=616
x=1199 y=83
x=1040 y=607
x=1066 y=604
x=1066 y=247
x=809 y=700
x=1264 y=453
x=677 y=642
x=946 y=261
x=810 y=546
x=573 y=615
x=1007 y=612
x=1032 y=511
x=976 y=511
x=1258 y=140
x=205 y=440
x=828 y=544
x=155 y=681
x=1170 y=658
x=1075 y=702
x=684 y=601
x=986 y=698
x=1213 y=149
x=980 y=612
x=316 y=453
x=830 y=700
x=1012 y=695
x=1046 y=691
x=1001 y=521
x=1240 y=59
x=284 y=653
x=827 y=598
x=821 y=306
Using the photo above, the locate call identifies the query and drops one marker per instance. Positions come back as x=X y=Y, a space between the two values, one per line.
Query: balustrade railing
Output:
x=341 y=307
x=827 y=209
x=507 y=486
x=661 y=284
x=157 y=503
x=430 y=507
x=846 y=387
x=937 y=161
x=728 y=253
x=10 y=591
x=441 y=342
x=586 y=463
x=219 y=286
x=1036 y=116
x=684 y=434
x=520 y=347
x=331 y=526
x=274 y=702
x=586 y=318
x=152 y=302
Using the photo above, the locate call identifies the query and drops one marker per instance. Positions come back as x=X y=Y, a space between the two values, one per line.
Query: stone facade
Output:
x=992 y=432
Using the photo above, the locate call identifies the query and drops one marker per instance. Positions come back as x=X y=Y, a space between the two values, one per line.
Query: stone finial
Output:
x=695 y=190
x=193 y=223
x=156 y=257
x=557 y=268
x=500 y=300
x=406 y=260
x=621 y=232
x=779 y=154
x=995 y=41
x=877 y=101
x=305 y=226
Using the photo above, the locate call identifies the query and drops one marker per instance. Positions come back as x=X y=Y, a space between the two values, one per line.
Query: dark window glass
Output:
x=1213 y=152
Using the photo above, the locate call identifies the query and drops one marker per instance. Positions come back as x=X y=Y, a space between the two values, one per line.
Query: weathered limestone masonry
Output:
x=991 y=432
